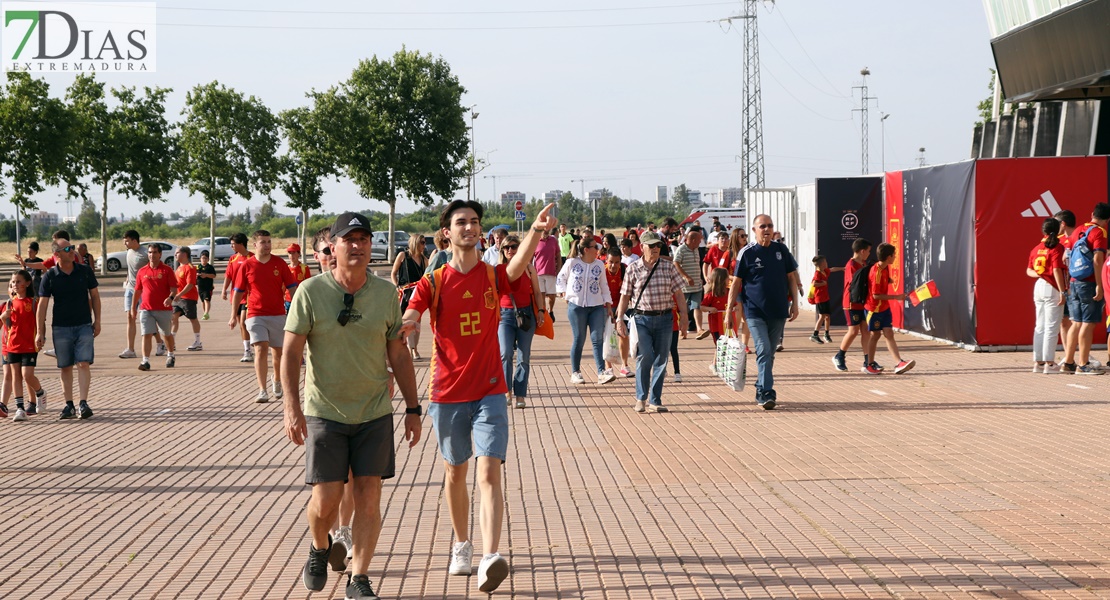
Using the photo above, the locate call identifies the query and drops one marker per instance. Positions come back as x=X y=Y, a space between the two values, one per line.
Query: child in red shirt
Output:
x=20 y=354
x=819 y=296
x=715 y=300
x=614 y=277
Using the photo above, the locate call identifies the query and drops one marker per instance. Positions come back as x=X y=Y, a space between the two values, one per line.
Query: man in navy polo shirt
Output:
x=765 y=287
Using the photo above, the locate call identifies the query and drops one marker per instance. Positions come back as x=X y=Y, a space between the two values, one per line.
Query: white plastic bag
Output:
x=731 y=362
x=612 y=353
x=633 y=337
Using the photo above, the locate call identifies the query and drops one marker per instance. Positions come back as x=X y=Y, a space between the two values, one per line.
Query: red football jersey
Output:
x=879 y=284
x=716 y=320
x=187 y=274
x=19 y=338
x=265 y=284
x=850 y=269
x=153 y=285
x=466 y=363
x=821 y=294
x=300 y=273
x=1044 y=260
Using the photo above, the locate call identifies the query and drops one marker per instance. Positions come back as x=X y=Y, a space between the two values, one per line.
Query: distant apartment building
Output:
x=511 y=197
x=661 y=194
x=694 y=197
x=731 y=196
x=600 y=194
x=552 y=196
x=40 y=218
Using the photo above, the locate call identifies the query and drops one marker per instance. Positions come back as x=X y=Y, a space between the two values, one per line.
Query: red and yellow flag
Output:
x=924 y=292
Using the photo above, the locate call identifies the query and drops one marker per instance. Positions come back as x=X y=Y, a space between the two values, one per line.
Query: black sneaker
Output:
x=32 y=409
x=1068 y=368
x=68 y=412
x=828 y=338
x=876 y=366
x=838 y=362
x=768 y=404
x=315 y=574
x=169 y=362
x=86 y=412
x=358 y=588
x=3 y=411
x=144 y=366
x=816 y=339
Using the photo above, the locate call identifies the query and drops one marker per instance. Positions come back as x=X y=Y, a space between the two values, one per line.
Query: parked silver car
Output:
x=118 y=260
x=223 y=248
x=379 y=251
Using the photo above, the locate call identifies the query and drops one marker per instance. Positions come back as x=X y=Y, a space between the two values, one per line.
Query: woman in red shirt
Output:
x=513 y=339
x=1046 y=265
x=614 y=277
x=635 y=237
x=20 y=354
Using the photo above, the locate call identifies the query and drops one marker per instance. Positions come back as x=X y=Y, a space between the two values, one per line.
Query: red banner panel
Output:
x=1013 y=196
x=893 y=235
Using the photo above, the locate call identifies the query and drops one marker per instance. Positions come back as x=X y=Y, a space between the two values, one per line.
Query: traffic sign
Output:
x=299 y=219
x=519 y=206
x=520 y=216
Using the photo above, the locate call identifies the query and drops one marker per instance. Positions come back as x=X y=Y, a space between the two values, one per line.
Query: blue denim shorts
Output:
x=462 y=427
x=73 y=345
x=1081 y=305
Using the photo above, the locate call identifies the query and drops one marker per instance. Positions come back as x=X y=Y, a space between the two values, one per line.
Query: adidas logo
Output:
x=1043 y=207
x=354 y=221
x=467 y=295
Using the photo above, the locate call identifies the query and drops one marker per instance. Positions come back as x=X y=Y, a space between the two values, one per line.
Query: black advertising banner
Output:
x=847 y=209
x=939 y=234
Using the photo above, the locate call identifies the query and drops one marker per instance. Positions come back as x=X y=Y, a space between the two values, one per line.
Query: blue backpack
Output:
x=1081 y=263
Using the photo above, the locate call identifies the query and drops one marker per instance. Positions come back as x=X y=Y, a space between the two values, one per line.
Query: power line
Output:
x=767 y=39
x=444 y=13
x=799 y=100
x=811 y=61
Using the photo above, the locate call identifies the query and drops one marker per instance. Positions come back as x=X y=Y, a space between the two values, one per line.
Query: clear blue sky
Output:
x=629 y=98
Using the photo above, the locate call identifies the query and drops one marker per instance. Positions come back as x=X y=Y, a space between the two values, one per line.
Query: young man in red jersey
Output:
x=878 y=313
x=1085 y=296
x=853 y=311
x=239 y=245
x=467 y=384
x=187 y=296
x=263 y=278
x=152 y=304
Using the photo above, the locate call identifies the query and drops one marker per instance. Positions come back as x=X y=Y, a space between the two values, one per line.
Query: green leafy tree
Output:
x=229 y=146
x=129 y=148
x=681 y=196
x=35 y=134
x=88 y=221
x=396 y=127
x=307 y=162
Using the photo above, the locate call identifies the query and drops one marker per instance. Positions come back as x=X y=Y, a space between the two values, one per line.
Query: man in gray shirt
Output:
x=688 y=260
x=135 y=261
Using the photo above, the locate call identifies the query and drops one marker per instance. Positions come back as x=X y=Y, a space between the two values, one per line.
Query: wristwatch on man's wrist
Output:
x=414 y=410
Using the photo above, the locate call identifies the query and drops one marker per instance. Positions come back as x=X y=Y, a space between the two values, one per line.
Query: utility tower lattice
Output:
x=865 y=101
x=751 y=152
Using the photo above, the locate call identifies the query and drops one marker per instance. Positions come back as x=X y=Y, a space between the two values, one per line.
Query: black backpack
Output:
x=857 y=289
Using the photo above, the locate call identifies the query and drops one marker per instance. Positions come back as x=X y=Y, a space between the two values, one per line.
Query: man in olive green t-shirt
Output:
x=350 y=322
x=565 y=241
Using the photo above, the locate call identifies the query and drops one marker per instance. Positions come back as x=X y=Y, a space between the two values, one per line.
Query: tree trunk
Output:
x=304 y=235
x=104 y=232
x=17 y=249
x=212 y=234
x=392 y=213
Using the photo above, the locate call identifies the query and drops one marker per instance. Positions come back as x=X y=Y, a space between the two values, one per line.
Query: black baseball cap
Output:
x=348 y=222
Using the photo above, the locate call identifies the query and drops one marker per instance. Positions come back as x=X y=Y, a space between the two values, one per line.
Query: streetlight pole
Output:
x=473 y=158
x=882 y=126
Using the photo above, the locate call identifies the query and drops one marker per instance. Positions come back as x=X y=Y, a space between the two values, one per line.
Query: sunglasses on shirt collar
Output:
x=348 y=306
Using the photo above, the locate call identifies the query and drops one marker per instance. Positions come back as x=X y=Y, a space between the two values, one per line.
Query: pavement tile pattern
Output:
x=966 y=478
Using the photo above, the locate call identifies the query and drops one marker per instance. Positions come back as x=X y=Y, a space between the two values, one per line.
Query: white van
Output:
x=730 y=217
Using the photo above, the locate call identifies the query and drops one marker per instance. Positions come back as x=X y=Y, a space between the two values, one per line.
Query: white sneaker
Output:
x=1038 y=368
x=605 y=377
x=246 y=357
x=577 y=378
x=161 y=351
x=1094 y=364
x=196 y=346
x=262 y=397
x=461 y=556
x=41 y=401
x=344 y=536
x=20 y=415
x=275 y=385
x=491 y=572
x=678 y=377
x=50 y=352
x=639 y=406
x=520 y=403
x=1052 y=369
x=128 y=353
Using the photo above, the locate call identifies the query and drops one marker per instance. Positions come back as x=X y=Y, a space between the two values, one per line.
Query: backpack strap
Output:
x=435 y=279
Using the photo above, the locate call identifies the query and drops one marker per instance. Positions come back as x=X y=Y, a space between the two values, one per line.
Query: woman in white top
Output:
x=589 y=304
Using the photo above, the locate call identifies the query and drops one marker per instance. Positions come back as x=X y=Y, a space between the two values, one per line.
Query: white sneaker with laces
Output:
x=491 y=572
x=344 y=535
x=275 y=385
x=678 y=377
x=462 y=553
x=41 y=400
x=577 y=378
x=520 y=402
x=246 y=357
x=196 y=346
x=161 y=351
x=128 y=353
x=1053 y=369
x=262 y=397
x=639 y=406
x=605 y=377
x=20 y=415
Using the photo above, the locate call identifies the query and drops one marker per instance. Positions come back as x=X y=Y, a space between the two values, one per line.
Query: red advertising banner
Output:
x=1013 y=196
x=893 y=235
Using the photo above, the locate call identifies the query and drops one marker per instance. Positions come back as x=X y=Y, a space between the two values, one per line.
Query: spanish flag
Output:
x=924 y=292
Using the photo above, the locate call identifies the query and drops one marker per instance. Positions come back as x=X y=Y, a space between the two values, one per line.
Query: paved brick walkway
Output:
x=967 y=477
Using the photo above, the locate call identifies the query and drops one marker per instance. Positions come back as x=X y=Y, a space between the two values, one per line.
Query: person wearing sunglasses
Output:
x=522 y=296
x=350 y=323
x=76 y=322
x=468 y=387
x=589 y=305
x=765 y=287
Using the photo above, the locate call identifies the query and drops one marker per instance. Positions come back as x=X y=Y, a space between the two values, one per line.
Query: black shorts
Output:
x=242 y=308
x=187 y=308
x=26 y=359
x=205 y=295
x=824 y=308
x=332 y=449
